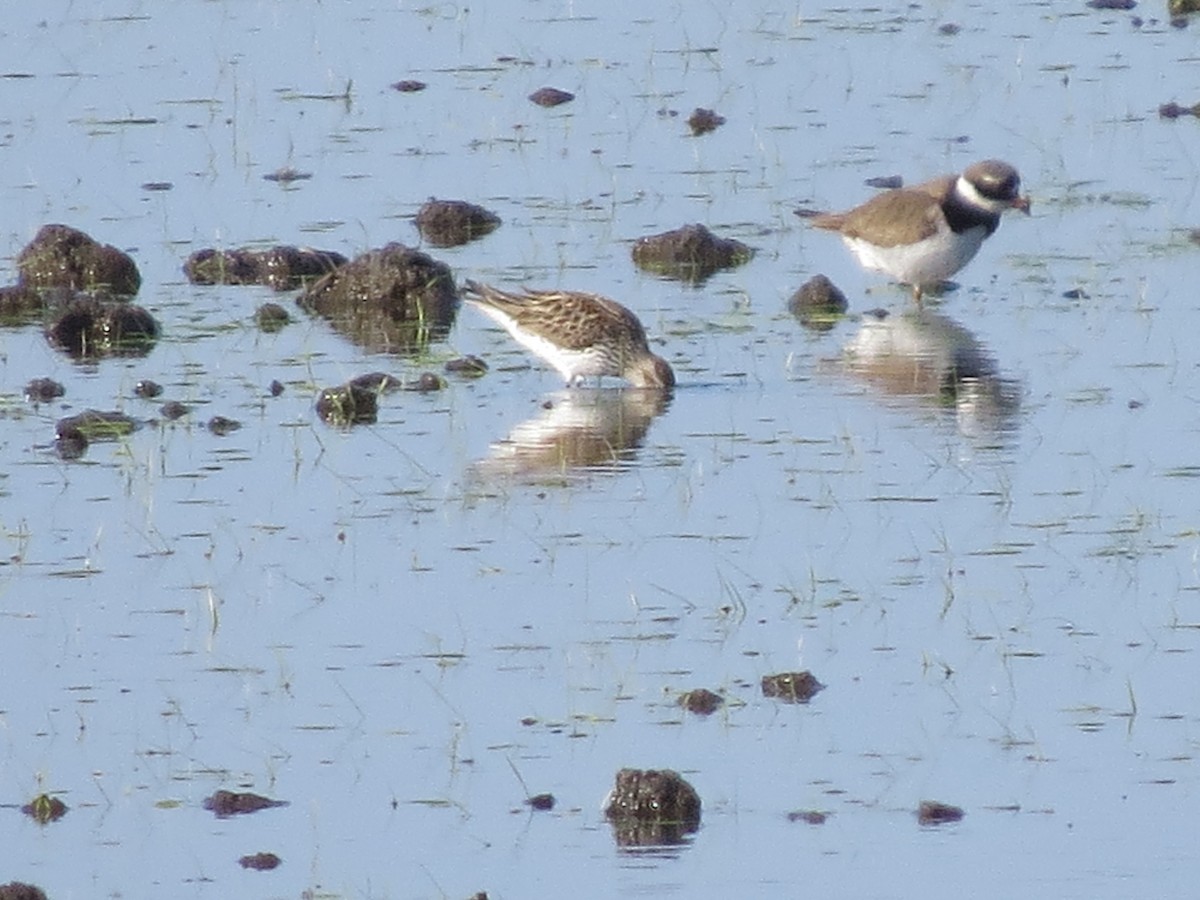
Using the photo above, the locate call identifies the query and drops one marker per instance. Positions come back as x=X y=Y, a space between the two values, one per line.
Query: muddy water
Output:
x=402 y=629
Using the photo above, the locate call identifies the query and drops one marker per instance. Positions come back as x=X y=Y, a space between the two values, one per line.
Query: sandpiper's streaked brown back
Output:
x=580 y=334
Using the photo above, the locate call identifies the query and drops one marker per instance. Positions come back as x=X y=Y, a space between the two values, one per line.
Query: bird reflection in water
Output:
x=921 y=353
x=577 y=432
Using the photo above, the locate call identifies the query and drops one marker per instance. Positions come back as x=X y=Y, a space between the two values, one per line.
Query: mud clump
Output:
x=88 y=326
x=1173 y=110
x=701 y=701
x=652 y=807
x=702 y=121
x=391 y=299
x=791 y=687
x=549 y=97
x=74 y=433
x=60 y=256
x=450 y=223
x=228 y=803
x=808 y=816
x=260 y=862
x=147 y=389
x=45 y=809
x=43 y=390
x=271 y=317
x=221 y=426
x=818 y=304
x=19 y=890
x=541 y=802
x=356 y=402
x=691 y=253
x=932 y=812
x=280 y=268
x=97 y=425
x=467 y=367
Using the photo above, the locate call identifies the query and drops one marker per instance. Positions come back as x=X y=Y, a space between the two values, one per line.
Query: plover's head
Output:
x=992 y=185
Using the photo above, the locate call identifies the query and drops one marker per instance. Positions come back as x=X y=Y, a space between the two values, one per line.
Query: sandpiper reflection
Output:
x=577 y=431
x=923 y=354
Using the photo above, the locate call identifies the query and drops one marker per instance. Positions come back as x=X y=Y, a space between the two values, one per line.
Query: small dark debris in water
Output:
x=271 y=317
x=43 y=390
x=886 y=182
x=19 y=890
x=426 y=382
x=1179 y=22
x=60 y=256
x=261 y=862
x=931 y=812
x=379 y=382
x=702 y=121
x=479 y=895
x=282 y=267
x=808 y=816
x=409 y=86
x=529 y=721
x=652 y=807
x=158 y=186
x=348 y=404
x=147 y=389
x=1112 y=4
x=275 y=388
x=1173 y=110
x=1135 y=404
x=949 y=29
x=541 y=802
x=791 y=687
x=549 y=96
x=86 y=326
x=173 y=409
x=450 y=223
x=467 y=366
x=701 y=701
x=287 y=175
x=228 y=803
x=818 y=303
x=221 y=426
x=45 y=809
x=1182 y=7
x=1075 y=294
x=691 y=253
x=96 y=425
x=70 y=442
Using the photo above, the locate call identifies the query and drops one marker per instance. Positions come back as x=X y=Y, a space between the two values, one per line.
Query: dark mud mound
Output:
x=91 y=326
x=281 y=268
x=691 y=253
x=652 y=807
x=450 y=223
x=393 y=299
x=60 y=256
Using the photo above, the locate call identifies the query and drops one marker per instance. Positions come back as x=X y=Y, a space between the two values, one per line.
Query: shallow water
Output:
x=404 y=628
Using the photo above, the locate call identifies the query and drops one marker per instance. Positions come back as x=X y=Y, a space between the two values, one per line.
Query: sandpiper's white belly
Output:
x=927 y=262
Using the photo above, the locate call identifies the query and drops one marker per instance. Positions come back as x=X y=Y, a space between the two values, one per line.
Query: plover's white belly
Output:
x=927 y=262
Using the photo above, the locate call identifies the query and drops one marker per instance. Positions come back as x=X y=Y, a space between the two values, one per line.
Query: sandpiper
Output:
x=924 y=234
x=579 y=334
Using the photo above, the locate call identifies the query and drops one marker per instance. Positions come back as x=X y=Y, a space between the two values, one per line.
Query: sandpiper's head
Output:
x=993 y=185
x=650 y=371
